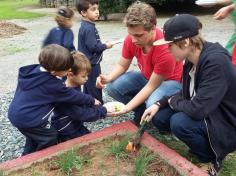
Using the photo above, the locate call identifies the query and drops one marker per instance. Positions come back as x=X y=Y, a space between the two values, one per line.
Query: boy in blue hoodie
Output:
x=69 y=119
x=89 y=43
x=38 y=90
x=62 y=34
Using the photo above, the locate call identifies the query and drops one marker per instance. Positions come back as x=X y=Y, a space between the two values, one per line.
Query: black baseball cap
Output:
x=179 y=27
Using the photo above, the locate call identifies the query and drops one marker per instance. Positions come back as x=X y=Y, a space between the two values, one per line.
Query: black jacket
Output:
x=215 y=99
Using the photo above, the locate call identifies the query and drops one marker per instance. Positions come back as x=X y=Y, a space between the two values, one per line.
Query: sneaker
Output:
x=209 y=168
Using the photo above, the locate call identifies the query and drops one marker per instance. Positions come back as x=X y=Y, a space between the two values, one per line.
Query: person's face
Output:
x=92 y=14
x=179 y=53
x=79 y=79
x=140 y=37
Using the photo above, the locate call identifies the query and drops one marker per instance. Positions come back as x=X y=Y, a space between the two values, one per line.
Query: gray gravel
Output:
x=23 y=50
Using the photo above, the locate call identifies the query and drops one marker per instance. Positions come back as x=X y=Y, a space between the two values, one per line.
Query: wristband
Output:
x=158 y=104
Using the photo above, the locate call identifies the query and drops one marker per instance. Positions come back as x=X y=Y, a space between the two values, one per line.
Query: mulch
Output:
x=8 y=29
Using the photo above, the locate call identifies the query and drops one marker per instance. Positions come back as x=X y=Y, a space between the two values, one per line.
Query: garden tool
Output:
x=134 y=144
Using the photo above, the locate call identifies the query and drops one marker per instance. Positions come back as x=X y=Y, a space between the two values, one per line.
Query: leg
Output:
x=162 y=119
x=166 y=88
x=125 y=87
x=90 y=85
x=194 y=134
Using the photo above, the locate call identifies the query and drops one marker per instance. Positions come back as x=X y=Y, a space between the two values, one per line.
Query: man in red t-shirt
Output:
x=160 y=73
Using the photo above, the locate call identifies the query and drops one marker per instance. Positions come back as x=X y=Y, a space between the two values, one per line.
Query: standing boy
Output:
x=89 y=43
x=39 y=89
x=69 y=119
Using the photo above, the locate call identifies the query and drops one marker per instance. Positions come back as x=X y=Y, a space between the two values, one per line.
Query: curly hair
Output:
x=140 y=13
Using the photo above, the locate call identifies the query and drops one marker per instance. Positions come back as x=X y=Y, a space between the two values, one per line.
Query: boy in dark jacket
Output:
x=62 y=34
x=203 y=113
x=38 y=90
x=89 y=43
x=68 y=119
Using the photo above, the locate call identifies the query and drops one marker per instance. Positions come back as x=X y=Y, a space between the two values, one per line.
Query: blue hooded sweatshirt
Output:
x=69 y=119
x=36 y=95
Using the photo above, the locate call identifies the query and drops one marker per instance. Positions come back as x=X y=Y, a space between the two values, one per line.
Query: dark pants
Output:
x=38 y=138
x=192 y=132
x=90 y=85
x=80 y=132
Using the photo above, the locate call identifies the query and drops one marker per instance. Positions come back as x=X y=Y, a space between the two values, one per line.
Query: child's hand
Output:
x=109 y=45
x=97 y=102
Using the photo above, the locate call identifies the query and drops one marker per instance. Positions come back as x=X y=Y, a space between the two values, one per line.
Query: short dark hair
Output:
x=81 y=63
x=83 y=5
x=55 y=58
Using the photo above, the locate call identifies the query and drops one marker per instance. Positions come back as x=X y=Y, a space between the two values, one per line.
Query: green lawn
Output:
x=229 y=167
x=9 y=9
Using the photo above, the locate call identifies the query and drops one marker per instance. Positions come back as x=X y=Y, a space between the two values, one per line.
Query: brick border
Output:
x=181 y=164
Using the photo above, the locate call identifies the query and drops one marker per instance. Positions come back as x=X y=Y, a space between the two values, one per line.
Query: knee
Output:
x=177 y=124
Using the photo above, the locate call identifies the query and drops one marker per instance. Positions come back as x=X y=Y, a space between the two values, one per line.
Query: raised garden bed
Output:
x=102 y=153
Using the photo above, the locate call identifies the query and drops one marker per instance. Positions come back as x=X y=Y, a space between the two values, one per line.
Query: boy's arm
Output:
x=47 y=39
x=92 y=43
x=85 y=113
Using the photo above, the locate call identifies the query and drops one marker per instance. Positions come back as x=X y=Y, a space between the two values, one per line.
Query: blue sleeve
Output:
x=85 y=113
x=69 y=41
x=47 y=40
x=211 y=90
x=62 y=94
x=91 y=42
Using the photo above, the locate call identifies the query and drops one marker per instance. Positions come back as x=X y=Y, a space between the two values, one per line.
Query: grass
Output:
x=229 y=166
x=69 y=160
x=2 y=173
x=141 y=162
x=9 y=9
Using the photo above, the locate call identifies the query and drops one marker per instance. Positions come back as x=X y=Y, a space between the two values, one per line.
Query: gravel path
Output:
x=23 y=50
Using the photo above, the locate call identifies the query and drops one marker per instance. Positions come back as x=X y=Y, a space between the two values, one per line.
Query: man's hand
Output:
x=102 y=80
x=149 y=113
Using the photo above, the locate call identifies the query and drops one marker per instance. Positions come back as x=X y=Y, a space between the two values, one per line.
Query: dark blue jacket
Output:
x=68 y=119
x=89 y=42
x=215 y=99
x=36 y=95
x=60 y=36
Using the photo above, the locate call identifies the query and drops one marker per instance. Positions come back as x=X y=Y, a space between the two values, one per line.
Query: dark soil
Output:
x=8 y=29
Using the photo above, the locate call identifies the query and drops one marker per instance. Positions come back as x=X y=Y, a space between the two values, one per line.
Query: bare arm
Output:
x=224 y=12
x=121 y=67
x=154 y=82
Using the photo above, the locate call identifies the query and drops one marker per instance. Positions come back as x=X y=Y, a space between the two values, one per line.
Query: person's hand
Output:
x=109 y=45
x=222 y=13
x=102 y=80
x=149 y=113
x=115 y=113
x=97 y=102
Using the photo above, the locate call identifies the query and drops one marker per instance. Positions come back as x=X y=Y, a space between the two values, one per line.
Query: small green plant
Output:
x=141 y=162
x=2 y=173
x=35 y=173
x=69 y=160
x=118 y=148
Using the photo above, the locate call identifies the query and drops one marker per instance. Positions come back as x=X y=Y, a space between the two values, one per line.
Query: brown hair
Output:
x=196 y=41
x=55 y=58
x=83 y=5
x=64 y=16
x=81 y=63
x=140 y=13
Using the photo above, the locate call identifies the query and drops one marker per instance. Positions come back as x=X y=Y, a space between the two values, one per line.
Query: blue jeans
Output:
x=125 y=87
x=192 y=132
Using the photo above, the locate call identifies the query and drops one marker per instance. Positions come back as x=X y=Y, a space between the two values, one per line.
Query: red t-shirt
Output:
x=157 y=60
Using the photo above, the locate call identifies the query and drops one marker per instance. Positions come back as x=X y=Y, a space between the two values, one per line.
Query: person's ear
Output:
x=187 y=42
x=83 y=13
x=70 y=74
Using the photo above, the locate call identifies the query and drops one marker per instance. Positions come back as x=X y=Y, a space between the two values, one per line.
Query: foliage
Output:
x=141 y=162
x=2 y=173
x=10 y=9
x=69 y=160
